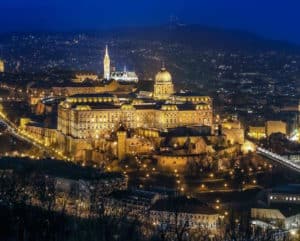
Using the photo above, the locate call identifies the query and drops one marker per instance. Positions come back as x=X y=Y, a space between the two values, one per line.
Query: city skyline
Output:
x=270 y=19
x=119 y=122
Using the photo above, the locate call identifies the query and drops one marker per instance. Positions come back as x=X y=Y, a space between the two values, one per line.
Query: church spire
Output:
x=106 y=65
x=106 y=50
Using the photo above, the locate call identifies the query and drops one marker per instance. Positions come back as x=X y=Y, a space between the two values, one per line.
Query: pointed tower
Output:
x=2 y=66
x=106 y=65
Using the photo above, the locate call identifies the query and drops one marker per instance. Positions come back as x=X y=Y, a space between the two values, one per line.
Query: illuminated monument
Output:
x=106 y=65
x=86 y=121
x=91 y=115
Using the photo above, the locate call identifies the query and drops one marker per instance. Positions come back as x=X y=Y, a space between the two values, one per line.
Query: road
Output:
x=279 y=159
x=13 y=130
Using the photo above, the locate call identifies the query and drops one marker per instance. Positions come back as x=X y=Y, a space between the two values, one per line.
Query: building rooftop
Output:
x=287 y=210
x=190 y=93
x=138 y=197
x=146 y=85
x=184 y=205
x=92 y=95
x=187 y=131
x=110 y=103
x=266 y=213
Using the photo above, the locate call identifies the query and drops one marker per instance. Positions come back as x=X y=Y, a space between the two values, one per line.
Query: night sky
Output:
x=276 y=19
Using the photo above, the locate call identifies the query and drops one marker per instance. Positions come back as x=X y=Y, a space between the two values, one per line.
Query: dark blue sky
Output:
x=276 y=19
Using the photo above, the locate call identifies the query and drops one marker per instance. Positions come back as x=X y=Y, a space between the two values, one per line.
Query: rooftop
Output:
x=189 y=94
x=92 y=95
x=111 y=105
x=188 y=131
x=184 y=205
x=139 y=197
x=287 y=210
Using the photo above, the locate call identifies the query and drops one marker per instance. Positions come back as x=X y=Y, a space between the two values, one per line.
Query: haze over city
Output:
x=275 y=19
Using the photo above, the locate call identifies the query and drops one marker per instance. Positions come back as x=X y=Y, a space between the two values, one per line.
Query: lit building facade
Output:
x=233 y=131
x=159 y=210
x=275 y=127
x=81 y=77
x=271 y=127
x=124 y=76
x=163 y=87
x=181 y=211
x=90 y=118
x=257 y=132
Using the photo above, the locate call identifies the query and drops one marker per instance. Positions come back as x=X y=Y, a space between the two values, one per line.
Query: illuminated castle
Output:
x=88 y=115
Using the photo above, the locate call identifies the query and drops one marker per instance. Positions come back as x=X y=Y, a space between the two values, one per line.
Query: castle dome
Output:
x=163 y=76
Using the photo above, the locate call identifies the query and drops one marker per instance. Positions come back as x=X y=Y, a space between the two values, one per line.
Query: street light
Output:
x=293 y=232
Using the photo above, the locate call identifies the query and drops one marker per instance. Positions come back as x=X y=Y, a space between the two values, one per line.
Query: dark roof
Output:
x=134 y=196
x=97 y=106
x=145 y=85
x=186 y=106
x=122 y=128
x=188 y=94
x=86 y=83
x=145 y=106
x=184 y=205
x=85 y=72
x=186 y=131
x=290 y=189
x=65 y=84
